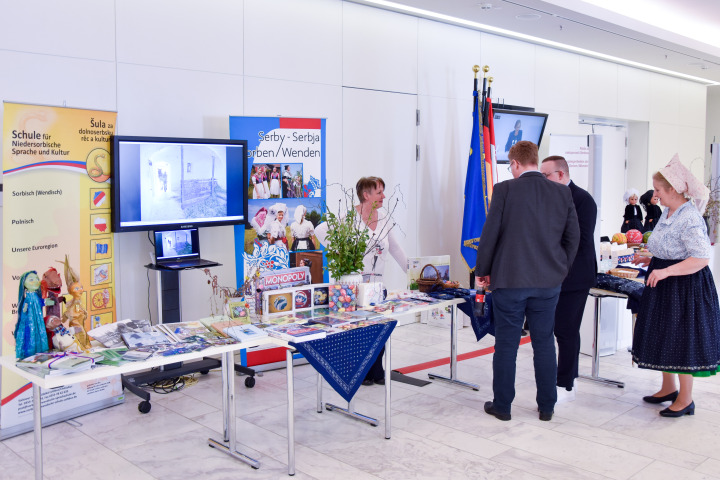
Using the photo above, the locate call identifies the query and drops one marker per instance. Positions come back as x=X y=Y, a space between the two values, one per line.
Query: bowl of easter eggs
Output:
x=343 y=297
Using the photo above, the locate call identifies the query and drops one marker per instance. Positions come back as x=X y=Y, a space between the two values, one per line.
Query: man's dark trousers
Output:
x=510 y=308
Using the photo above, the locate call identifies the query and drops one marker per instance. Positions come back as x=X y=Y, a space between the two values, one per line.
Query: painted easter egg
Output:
x=619 y=238
x=646 y=237
x=634 y=236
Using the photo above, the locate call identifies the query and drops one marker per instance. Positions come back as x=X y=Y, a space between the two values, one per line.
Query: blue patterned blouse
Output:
x=681 y=236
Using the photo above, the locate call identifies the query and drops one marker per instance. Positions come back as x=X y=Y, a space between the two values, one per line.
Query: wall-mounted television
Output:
x=511 y=126
x=161 y=183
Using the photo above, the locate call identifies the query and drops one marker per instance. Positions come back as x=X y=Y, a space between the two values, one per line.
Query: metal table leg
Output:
x=595 y=373
x=453 y=357
x=350 y=410
x=37 y=417
x=228 y=388
x=291 y=410
x=388 y=381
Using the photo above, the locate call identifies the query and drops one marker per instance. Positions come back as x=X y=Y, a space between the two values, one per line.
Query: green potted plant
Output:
x=345 y=245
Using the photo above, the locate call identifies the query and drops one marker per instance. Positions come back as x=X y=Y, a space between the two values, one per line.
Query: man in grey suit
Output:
x=526 y=248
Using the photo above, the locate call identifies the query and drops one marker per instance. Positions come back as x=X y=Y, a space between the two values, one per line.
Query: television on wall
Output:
x=161 y=183
x=511 y=126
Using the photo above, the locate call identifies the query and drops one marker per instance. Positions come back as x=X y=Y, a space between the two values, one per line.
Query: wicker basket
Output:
x=427 y=285
x=623 y=272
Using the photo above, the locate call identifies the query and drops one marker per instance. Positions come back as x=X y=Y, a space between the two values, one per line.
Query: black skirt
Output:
x=678 y=326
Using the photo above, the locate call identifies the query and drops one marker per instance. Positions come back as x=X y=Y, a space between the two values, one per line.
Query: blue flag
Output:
x=476 y=199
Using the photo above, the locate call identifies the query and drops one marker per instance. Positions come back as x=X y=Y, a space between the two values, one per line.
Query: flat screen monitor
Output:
x=511 y=126
x=161 y=183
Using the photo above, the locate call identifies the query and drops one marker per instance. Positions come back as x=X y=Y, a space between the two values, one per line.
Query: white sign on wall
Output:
x=577 y=154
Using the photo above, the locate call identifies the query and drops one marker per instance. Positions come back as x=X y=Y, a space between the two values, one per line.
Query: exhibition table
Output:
x=228 y=445
x=598 y=295
x=453 y=345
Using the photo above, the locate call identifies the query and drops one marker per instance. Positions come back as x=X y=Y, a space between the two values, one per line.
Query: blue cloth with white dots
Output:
x=343 y=359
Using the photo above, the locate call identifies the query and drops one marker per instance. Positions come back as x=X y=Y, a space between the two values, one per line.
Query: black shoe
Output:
x=670 y=397
x=546 y=416
x=380 y=381
x=689 y=410
x=368 y=381
x=490 y=409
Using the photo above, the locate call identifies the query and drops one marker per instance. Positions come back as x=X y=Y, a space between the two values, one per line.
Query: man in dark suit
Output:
x=527 y=245
x=577 y=285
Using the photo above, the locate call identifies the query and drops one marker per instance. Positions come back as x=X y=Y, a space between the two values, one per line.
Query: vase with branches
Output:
x=349 y=240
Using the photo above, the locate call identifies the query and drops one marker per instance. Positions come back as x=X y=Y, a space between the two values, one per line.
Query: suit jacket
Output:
x=583 y=273
x=531 y=234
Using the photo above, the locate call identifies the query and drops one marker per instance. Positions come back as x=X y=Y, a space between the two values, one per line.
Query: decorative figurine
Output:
x=75 y=314
x=62 y=337
x=30 y=336
x=50 y=287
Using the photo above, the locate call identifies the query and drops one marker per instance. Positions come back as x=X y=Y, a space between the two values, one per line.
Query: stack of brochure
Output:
x=44 y=364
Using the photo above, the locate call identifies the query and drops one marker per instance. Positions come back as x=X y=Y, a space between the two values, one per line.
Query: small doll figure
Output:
x=75 y=314
x=30 y=336
x=50 y=287
x=62 y=338
x=633 y=218
x=652 y=211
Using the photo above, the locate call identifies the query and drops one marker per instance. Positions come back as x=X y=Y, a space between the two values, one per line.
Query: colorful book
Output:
x=246 y=333
x=295 y=332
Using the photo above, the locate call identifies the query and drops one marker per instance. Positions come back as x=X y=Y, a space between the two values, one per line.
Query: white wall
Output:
x=177 y=68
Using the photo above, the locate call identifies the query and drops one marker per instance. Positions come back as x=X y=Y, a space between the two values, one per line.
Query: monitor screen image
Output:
x=511 y=126
x=176 y=244
x=174 y=183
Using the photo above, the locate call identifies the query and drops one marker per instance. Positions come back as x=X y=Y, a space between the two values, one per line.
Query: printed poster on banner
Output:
x=286 y=192
x=56 y=171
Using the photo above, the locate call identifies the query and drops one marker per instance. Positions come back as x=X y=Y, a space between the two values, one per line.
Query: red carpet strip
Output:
x=446 y=360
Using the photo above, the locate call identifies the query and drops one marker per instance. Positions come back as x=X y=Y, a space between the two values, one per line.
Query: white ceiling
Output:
x=681 y=36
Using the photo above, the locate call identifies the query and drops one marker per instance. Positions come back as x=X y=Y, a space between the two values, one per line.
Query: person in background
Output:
x=276 y=233
x=286 y=181
x=382 y=244
x=514 y=136
x=526 y=248
x=678 y=325
x=576 y=286
x=302 y=231
x=632 y=218
x=652 y=212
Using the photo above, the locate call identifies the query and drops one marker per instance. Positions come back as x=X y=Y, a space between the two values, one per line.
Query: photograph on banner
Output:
x=286 y=178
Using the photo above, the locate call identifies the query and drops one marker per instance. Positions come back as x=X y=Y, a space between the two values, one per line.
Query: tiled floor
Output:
x=438 y=431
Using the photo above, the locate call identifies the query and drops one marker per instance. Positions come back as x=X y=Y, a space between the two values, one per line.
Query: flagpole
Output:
x=485 y=69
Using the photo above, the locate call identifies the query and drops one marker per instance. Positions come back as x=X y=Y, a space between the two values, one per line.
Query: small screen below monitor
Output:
x=171 y=245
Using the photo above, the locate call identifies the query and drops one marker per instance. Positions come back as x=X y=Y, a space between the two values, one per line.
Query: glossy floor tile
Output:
x=439 y=431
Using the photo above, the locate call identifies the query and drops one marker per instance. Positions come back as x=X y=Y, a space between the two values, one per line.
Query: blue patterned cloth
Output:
x=343 y=359
x=631 y=288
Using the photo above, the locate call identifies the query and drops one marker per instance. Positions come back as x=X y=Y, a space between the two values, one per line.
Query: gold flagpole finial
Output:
x=490 y=79
x=476 y=69
x=485 y=70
